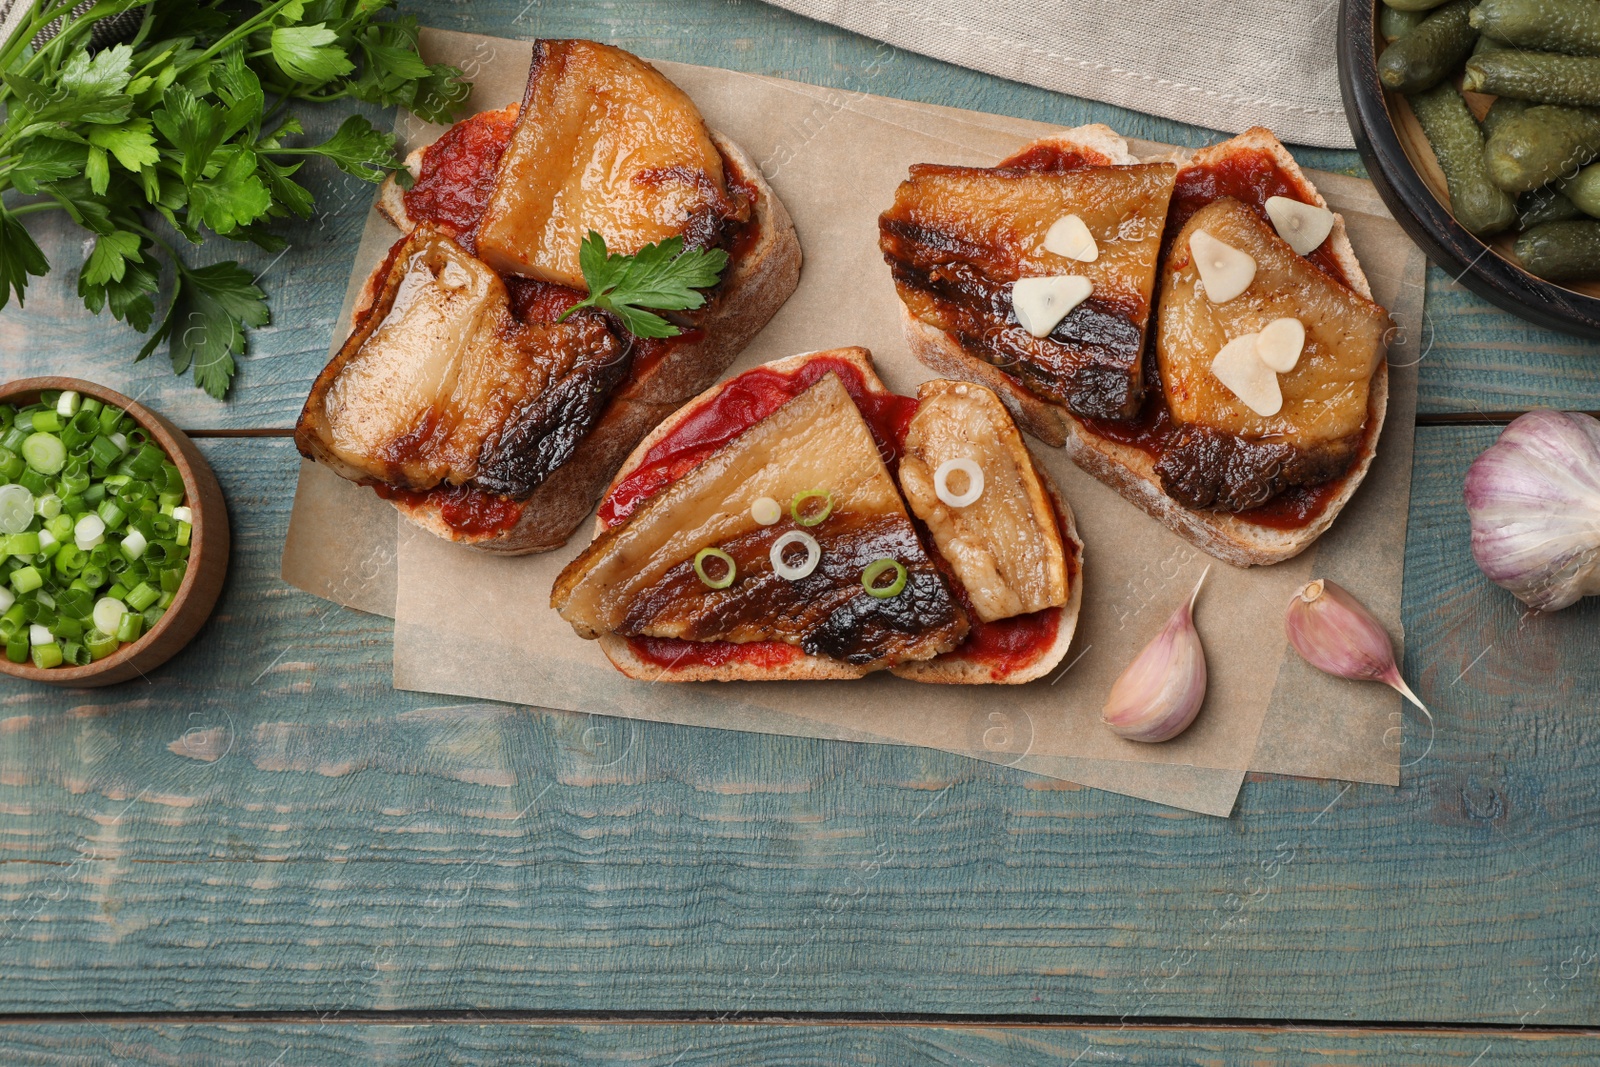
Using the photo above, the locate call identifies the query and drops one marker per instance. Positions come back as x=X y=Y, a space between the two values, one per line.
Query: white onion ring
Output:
x=813 y=555
x=941 y=479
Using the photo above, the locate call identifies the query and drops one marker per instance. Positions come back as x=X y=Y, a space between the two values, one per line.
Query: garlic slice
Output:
x=1041 y=303
x=1280 y=343
x=1225 y=271
x=1071 y=238
x=1304 y=226
x=1238 y=366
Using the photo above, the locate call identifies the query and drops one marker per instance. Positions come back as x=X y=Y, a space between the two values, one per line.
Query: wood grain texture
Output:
x=713 y=1045
x=270 y=826
x=1481 y=356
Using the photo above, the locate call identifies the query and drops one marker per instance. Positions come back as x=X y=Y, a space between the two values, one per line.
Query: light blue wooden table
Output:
x=268 y=856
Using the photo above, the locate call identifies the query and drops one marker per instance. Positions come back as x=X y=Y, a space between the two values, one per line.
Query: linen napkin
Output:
x=1224 y=64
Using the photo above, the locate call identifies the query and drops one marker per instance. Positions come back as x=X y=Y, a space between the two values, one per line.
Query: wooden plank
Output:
x=753 y=1045
x=269 y=826
x=1469 y=364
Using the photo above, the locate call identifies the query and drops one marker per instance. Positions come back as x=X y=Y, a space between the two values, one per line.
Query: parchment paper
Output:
x=835 y=158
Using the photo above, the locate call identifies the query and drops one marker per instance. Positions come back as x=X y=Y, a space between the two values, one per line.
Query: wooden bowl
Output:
x=1402 y=167
x=209 y=545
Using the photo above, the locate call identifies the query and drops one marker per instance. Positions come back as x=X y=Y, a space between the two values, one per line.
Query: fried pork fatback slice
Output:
x=1226 y=456
x=957 y=238
x=638 y=578
x=439 y=383
x=1005 y=547
x=604 y=142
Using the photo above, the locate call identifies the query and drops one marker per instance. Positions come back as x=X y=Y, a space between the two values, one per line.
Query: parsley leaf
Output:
x=19 y=258
x=213 y=306
x=309 y=54
x=662 y=277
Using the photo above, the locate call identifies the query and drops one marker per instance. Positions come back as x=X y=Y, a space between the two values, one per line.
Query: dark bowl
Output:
x=1402 y=166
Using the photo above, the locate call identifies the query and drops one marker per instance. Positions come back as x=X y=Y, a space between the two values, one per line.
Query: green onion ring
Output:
x=704 y=554
x=798 y=502
x=876 y=570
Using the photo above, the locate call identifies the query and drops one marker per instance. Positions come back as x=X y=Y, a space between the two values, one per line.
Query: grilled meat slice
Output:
x=1005 y=547
x=1226 y=456
x=958 y=237
x=441 y=384
x=603 y=143
x=638 y=578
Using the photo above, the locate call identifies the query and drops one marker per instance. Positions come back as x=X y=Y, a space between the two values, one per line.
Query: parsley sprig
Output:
x=186 y=130
x=662 y=277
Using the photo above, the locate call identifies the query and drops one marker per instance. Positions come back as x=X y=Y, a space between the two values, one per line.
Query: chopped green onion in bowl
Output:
x=95 y=531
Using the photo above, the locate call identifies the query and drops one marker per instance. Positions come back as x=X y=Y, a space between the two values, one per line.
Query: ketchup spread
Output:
x=669 y=652
x=458 y=172
x=1054 y=159
x=466 y=509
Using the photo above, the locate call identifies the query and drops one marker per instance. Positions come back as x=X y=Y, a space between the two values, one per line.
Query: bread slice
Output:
x=1130 y=470
x=758 y=279
x=949 y=668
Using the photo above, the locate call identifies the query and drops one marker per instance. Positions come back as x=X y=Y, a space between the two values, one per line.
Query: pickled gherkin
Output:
x=1571 y=26
x=1458 y=144
x=1542 y=77
x=1561 y=251
x=1430 y=53
x=1541 y=144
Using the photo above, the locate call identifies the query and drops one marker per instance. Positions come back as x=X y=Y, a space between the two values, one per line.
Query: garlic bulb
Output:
x=1534 y=500
x=1336 y=634
x=1160 y=693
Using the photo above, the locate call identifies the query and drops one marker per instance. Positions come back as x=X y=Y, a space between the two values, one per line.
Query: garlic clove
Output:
x=1224 y=270
x=1160 y=692
x=1239 y=367
x=1533 y=498
x=1041 y=303
x=1337 y=635
x=1304 y=226
x=1070 y=237
x=1280 y=343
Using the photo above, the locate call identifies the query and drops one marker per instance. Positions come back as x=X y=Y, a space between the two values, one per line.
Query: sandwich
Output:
x=1196 y=333
x=478 y=390
x=799 y=521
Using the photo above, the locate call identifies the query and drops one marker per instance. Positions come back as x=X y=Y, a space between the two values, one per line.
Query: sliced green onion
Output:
x=134 y=545
x=131 y=626
x=798 y=502
x=795 y=571
x=47 y=656
x=700 y=568
x=89 y=531
x=877 y=569
x=45 y=453
x=74 y=653
x=187 y=515
x=45 y=421
x=100 y=644
x=67 y=403
x=7 y=599
x=142 y=595
x=40 y=635
x=16 y=509
x=17 y=649
x=108 y=613
x=185 y=531
x=10 y=464
x=23 y=544
x=26 y=579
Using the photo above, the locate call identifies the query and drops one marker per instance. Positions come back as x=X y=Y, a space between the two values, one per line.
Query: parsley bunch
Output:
x=189 y=123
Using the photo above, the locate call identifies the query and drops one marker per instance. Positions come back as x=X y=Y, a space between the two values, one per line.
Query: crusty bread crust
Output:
x=945 y=669
x=757 y=282
x=1131 y=471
